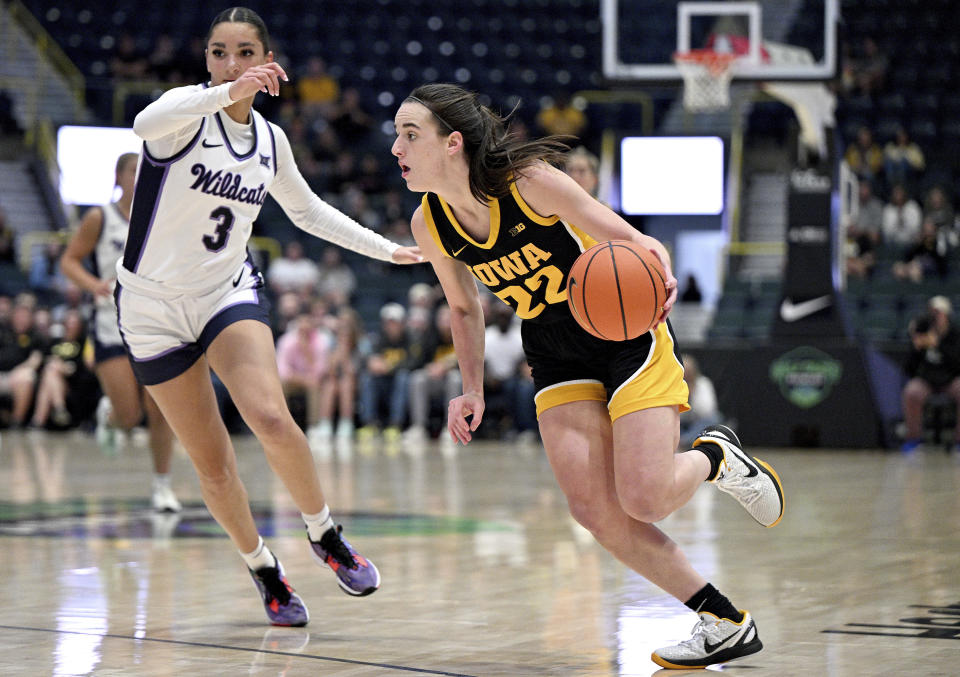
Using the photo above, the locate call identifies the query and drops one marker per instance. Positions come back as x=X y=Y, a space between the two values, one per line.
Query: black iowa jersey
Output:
x=525 y=259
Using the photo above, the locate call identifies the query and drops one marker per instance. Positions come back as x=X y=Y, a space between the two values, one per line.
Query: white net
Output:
x=706 y=80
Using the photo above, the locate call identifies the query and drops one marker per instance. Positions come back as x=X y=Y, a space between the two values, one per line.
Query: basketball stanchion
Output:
x=706 y=79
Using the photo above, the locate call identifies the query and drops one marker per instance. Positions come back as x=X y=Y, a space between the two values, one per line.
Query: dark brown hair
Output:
x=496 y=156
x=243 y=15
x=125 y=159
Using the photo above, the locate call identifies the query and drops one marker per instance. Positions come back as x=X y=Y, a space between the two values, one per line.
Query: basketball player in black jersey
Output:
x=497 y=211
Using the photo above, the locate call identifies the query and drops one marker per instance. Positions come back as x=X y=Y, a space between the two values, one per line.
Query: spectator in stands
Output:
x=398 y=230
x=584 y=168
x=337 y=281
x=691 y=291
x=6 y=311
x=351 y=122
x=298 y=133
x=507 y=383
x=317 y=90
x=21 y=355
x=162 y=62
x=289 y=305
x=370 y=178
x=67 y=392
x=938 y=209
x=932 y=366
x=439 y=377
x=704 y=410
x=903 y=160
x=385 y=380
x=422 y=295
x=558 y=115
x=902 y=218
x=926 y=258
x=339 y=391
x=865 y=156
x=344 y=172
x=864 y=73
x=863 y=232
x=394 y=206
x=302 y=360
x=8 y=241
x=357 y=206
x=128 y=62
x=46 y=278
x=292 y=271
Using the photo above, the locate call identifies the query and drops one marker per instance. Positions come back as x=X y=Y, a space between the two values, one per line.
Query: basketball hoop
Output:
x=706 y=79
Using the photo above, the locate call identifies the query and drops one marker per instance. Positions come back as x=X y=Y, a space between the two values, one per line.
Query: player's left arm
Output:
x=311 y=214
x=549 y=191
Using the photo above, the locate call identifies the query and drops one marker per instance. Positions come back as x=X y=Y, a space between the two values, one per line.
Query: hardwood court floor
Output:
x=483 y=572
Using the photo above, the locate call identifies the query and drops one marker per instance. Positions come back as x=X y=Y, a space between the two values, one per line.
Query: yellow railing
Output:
x=267 y=244
x=49 y=51
x=28 y=241
x=642 y=99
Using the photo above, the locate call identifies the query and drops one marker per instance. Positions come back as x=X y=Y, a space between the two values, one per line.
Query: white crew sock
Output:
x=319 y=524
x=260 y=557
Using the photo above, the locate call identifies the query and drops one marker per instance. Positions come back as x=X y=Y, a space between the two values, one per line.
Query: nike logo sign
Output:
x=710 y=648
x=791 y=312
x=210 y=145
x=239 y=277
x=457 y=253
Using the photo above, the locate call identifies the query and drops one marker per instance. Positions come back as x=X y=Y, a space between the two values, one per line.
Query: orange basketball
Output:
x=616 y=290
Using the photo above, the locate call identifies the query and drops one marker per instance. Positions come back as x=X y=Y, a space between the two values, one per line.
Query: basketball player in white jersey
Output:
x=100 y=238
x=191 y=300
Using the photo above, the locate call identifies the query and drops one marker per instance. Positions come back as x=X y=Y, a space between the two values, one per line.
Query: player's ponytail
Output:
x=495 y=154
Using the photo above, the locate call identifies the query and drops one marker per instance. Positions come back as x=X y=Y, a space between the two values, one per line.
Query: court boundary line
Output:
x=209 y=645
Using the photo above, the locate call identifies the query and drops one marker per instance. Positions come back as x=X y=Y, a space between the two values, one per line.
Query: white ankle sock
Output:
x=161 y=480
x=260 y=557
x=317 y=525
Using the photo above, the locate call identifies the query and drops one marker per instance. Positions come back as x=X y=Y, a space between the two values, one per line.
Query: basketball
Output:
x=616 y=290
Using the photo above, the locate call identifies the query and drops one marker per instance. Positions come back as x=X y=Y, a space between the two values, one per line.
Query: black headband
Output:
x=444 y=122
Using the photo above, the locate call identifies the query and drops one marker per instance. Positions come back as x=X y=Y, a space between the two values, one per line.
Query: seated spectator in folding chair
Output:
x=932 y=366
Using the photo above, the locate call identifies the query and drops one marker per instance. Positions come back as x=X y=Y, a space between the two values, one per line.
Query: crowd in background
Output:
x=905 y=222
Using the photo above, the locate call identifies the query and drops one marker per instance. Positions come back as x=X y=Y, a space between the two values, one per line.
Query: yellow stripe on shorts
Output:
x=658 y=382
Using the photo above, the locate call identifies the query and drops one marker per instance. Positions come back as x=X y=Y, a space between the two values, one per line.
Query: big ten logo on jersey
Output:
x=539 y=281
x=517 y=229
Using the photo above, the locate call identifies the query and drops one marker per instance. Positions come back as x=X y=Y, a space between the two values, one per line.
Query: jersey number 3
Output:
x=224 y=218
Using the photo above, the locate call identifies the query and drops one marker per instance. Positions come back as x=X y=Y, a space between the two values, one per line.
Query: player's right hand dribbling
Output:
x=264 y=78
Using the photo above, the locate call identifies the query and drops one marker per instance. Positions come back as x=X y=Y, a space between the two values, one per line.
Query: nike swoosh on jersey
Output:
x=457 y=253
x=210 y=145
x=239 y=277
x=791 y=312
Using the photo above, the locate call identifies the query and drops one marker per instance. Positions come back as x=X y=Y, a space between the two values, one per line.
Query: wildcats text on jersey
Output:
x=225 y=185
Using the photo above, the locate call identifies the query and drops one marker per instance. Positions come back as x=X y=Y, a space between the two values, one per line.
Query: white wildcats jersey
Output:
x=193 y=213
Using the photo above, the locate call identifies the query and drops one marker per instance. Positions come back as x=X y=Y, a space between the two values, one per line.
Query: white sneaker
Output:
x=164 y=500
x=106 y=434
x=415 y=434
x=751 y=481
x=345 y=429
x=715 y=640
x=320 y=432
